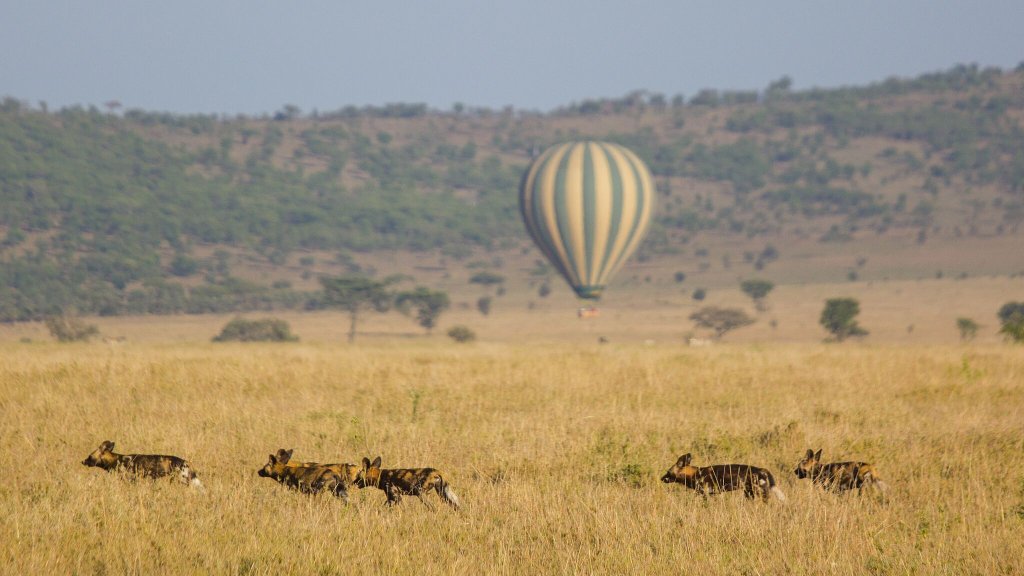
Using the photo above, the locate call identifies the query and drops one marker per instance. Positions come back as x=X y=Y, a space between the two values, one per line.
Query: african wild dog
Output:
x=838 y=476
x=144 y=465
x=309 y=477
x=347 y=472
x=412 y=481
x=722 y=478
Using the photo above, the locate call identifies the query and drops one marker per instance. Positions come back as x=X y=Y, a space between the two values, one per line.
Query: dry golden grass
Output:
x=555 y=452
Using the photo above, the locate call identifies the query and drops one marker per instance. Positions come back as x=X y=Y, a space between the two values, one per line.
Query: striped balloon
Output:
x=587 y=205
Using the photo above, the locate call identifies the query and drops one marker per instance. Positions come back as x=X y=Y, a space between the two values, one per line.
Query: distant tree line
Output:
x=103 y=214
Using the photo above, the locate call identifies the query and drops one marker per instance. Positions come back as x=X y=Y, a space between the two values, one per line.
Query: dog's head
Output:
x=369 y=474
x=100 y=455
x=805 y=468
x=681 y=471
x=274 y=467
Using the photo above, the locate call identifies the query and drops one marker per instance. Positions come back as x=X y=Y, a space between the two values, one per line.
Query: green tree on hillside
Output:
x=968 y=329
x=428 y=305
x=262 y=330
x=1011 y=319
x=356 y=295
x=757 y=290
x=721 y=320
x=487 y=278
x=839 y=318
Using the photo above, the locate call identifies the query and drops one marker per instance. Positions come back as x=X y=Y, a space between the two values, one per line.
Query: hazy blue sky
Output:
x=254 y=56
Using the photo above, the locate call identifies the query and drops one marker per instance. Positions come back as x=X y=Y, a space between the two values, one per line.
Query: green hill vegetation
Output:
x=130 y=212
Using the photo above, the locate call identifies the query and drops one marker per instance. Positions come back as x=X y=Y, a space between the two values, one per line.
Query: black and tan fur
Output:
x=344 y=470
x=142 y=465
x=707 y=480
x=309 y=477
x=396 y=482
x=838 y=476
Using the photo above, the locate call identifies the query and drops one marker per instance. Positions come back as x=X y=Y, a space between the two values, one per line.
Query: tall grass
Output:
x=555 y=453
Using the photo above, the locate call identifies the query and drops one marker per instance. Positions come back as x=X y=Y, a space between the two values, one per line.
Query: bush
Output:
x=721 y=320
x=461 y=334
x=483 y=304
x=1011 y=319
x=968 y=328
x=839 y=318
x=486 y=278
x=265 y=330
x=70 y=329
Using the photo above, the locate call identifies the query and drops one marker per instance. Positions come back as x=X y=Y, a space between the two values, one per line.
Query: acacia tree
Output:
x=757 y=289
x=839 y=318
x=356 y=294
x=968 y=329
x=429 y=304
x=1011 y=320
x=721 y=320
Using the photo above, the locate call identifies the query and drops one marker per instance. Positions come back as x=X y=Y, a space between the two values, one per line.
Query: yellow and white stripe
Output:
x=587 y=205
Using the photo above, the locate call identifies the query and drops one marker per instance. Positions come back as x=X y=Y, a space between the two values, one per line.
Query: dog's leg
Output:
x=394 y=495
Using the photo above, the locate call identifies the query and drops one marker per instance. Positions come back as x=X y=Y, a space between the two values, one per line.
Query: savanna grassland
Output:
x=554 y=450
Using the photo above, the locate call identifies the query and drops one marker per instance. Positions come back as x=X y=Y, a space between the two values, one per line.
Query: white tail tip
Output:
x=450 y=495
x=778 y=494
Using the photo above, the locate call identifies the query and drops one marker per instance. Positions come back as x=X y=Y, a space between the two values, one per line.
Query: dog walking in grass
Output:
x=142 y=465
x=838 y=476
x=397 y=482
x=347 y=472
x=309 y=477
x=707 y=480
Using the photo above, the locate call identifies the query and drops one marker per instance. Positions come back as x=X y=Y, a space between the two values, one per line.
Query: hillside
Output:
x=132 y=212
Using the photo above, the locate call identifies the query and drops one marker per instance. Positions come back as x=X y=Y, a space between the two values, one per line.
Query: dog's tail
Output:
x=775 y=491
x=447 y=494
x=188 y=475
x=882 y=486
x=871 y=478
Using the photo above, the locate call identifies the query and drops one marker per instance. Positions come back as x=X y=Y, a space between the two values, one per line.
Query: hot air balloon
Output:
x=587 y=206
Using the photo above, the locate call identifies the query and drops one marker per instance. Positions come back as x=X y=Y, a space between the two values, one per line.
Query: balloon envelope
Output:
x=587 y=205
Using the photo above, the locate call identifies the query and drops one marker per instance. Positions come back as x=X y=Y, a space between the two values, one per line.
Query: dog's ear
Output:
x=684 y=460
x=288 y=455
x=817 y=455
x=810 y=454
x=273 y=459
x=282 y=453
x=107 y=446
x=376 y=462
x=366 y=463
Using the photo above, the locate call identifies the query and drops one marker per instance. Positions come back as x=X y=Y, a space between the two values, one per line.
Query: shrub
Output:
x=461 y=334
x=265 y=330
x=968 y=329
x=839 y=318
x=721 y=320
x=428 y=304
x=1011 y=318
x=757 y=289
x=70 y=329
x=486 y=278
x=483 y=304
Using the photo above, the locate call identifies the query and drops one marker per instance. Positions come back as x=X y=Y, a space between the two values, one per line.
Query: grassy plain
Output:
x=554 y=449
